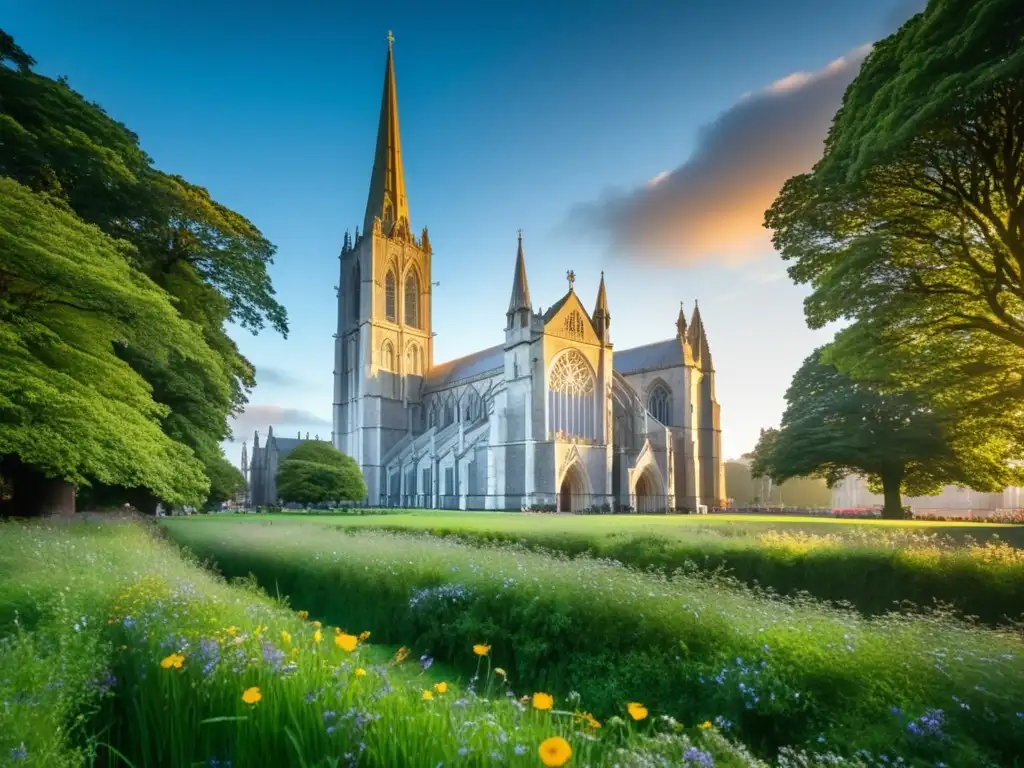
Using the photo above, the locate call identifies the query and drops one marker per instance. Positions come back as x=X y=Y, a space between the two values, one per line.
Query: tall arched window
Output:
x=449 y=413
x=432 y=418
x=659 y=403
x=572 y=406
x=356 y=287
x=390 y=298
x=387 y=356
x=412 y=300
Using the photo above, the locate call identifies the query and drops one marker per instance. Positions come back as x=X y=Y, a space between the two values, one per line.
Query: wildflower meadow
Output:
x=217 y=642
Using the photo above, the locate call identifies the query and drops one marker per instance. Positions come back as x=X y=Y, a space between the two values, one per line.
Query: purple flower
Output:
x=273 y=655
x=426 y=661
x=209 y=655
x=697 y=757
x=19 y=752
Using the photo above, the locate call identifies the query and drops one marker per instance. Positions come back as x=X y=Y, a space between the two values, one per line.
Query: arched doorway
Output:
x=573 y=495
x=648 y=497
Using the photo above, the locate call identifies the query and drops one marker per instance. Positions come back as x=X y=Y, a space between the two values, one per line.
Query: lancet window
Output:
x=387 y=356
x=390 y=298
x=412 y=300
x=659 y=403
x=572 y=397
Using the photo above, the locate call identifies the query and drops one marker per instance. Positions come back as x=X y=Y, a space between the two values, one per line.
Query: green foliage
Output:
x=226 y=481
x=316 y=472
x=911 y=222
x=834 y=426
x=681 y=644
x=85 y=686
x=210 y=259
x=71 y=407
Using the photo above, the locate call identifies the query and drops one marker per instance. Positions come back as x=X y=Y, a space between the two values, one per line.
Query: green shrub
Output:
x=316 y=472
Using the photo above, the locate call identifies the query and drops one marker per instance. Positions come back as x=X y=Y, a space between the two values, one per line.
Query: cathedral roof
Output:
x=649 y=357
x=553 y=309
x=468 y=367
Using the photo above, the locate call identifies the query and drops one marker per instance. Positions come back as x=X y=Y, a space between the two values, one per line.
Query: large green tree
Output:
x=211 y=260
x=835 y=425
x=912 y=223
x=317 y=472
x=71 y=409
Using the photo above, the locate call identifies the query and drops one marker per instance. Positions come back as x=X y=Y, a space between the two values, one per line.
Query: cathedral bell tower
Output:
x=383 y=345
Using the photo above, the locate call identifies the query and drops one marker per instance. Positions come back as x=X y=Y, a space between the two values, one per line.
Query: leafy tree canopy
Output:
x=226 y=480
x=912 y=224
x=212 y=260
x=834 y=426
x=70 y=408
x=316 y=472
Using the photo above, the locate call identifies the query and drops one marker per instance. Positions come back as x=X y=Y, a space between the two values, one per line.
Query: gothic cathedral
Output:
x=550 y=418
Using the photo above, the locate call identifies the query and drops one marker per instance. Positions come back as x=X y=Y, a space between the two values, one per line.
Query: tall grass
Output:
x=776 y=672
x=876 y=569
x=117 y=651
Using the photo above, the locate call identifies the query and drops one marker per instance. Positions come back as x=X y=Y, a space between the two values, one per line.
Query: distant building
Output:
x=261 y=472
x=853 y=493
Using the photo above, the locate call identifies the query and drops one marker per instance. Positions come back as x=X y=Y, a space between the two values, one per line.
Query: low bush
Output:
x=777 y=673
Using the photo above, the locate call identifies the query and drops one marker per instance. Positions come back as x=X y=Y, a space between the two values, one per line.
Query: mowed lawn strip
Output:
x=777 y=671
x=875 y=566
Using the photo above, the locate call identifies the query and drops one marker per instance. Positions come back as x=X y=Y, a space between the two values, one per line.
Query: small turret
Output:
x=519 y=306
x=699 y=340
x=681 y=322
x=601 y=317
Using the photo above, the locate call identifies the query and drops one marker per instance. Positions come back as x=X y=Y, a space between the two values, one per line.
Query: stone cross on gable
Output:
x=571 y=277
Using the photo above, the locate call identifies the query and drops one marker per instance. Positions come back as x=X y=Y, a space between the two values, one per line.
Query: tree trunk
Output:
x=33 y=494
x=892 y=485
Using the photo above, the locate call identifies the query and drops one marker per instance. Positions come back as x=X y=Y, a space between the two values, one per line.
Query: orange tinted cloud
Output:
x=712 y=207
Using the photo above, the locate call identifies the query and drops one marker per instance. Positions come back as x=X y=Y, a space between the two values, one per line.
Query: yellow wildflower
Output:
x=286 y=637
x=401 y=654
x=252 y=695
x=364 y=636
x=231 y=630
x=317 y=624
x=481 y=649
x=555 y=752
x=427 y=696
x=346 y=642
x=294 y=652
x=705 y=725
x=317 y=636
x=543 y=701
x=360 y=672
x=174 y=660
x=636 y=711
x=441 y=687
x=303 y=614
x=500 y=672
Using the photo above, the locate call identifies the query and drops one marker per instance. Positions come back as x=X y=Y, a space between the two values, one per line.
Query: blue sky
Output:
x=550 y=117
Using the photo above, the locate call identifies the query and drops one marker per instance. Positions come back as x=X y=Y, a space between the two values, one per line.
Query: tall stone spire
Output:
x=699 y=340
x=602 y=317
x=519 y=304
x=387 y=181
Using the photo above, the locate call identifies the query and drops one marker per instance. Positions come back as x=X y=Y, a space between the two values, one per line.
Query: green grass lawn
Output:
x=729 y=525
x=774 y=672
x=873 y=565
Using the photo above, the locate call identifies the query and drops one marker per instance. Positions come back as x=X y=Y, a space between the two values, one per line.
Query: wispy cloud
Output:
x=711 y=207
x=259 y=417
x=274 y=376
